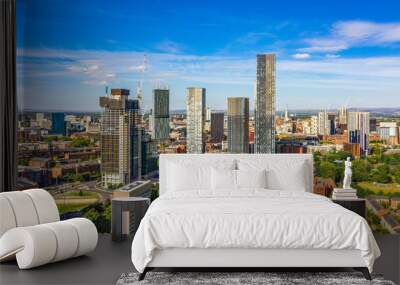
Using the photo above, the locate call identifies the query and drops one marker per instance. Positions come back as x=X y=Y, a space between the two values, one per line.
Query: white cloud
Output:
x=95 y=82
x=137 y=68
x=301 y=56
x=121 y=69
x=379 y=77
x=363 y=31
x=324 y=45
x=377 y=68
x=347 y=34
x=170 y=47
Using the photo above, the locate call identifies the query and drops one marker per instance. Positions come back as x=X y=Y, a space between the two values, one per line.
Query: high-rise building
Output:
x=217 y=127
x=332 y=123
x=149 y=154
x=324 y=125
x=208 y=114
x=389 y=132
x=39 y=116
x=286 y=116
x=342 y=116
x=314 y=125
x=160 y=115
x=195 y=117
x=358 y=130
x=372 y=125
x=58 y=123
x=265 y=104
x=238 y=125
x=120 y=138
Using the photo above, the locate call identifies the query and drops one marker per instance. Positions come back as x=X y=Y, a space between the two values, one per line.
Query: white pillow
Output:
x=193 y=176
x=283 y=173
x=293 y=180
x=182 y=177
x=223 y=179
x=251 y=178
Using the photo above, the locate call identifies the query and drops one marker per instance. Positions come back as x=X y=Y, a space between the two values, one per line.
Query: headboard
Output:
x=209 y=158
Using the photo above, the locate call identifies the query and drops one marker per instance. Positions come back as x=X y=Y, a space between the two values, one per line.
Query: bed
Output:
x=247 y=211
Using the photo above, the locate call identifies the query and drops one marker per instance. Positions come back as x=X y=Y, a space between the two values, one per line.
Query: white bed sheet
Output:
x=252 y=218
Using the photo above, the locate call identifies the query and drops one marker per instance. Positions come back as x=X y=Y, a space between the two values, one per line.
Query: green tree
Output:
x=92 y=215
x=80 y=142
x=381 y=174
x=361 y=169
x=107 y=212
x=327 y=170
x=154 y=192
x=395 y=172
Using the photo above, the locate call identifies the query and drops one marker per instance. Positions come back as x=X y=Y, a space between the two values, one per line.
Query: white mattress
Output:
x=252 y=219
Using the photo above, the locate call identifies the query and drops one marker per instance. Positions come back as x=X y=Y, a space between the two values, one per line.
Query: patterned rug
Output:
x=229 y=278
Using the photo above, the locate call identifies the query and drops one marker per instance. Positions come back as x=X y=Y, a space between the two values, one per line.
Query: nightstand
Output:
x=127 y=212
x=356 y=205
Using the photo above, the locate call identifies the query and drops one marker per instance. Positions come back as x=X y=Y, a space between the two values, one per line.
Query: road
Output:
x=91 y=186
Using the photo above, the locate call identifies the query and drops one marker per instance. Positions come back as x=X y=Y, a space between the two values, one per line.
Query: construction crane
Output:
x=139 y=90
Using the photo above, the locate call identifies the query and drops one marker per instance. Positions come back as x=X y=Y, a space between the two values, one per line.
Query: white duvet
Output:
x=250 y=219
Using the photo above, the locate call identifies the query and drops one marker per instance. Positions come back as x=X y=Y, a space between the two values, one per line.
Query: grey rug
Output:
x=228 y=278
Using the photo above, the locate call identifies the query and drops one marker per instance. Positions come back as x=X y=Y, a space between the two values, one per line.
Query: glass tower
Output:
x=195 y=117
x=120 y=139
x=160 y=126
x=238 y=125
x=264 y=110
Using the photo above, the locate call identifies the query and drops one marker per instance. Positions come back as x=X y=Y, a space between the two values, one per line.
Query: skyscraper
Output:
x=149 y=154
x=217 y=127
x=120 y=138
x=324 y=125
x=343 y=115
x=195 y=117
x=314 y=125
x=58 y=123
x=238 y=125
x=372 y=125
x=358 y=128
x=332 y=123
x=160 y=116
x=265 y=104
x=389 y=132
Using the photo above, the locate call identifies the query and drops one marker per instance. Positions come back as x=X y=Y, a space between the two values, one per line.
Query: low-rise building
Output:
x=135 y=189
x=353 y=148
x=376 y=207
x=395 y=203
x=325 y=148
x=389 y=222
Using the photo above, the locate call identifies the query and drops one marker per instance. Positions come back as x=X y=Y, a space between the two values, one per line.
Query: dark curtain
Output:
x=8 y=97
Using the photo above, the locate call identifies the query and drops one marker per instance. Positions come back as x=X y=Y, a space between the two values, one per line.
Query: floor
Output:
x=110 y=260
x=104 y=266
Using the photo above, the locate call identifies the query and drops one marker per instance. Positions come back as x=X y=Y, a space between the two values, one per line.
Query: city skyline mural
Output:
x=105 y=88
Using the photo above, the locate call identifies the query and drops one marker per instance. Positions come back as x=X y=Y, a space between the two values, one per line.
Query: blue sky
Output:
x=328 y=54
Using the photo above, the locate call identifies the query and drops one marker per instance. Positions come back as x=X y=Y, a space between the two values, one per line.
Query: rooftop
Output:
x=133 y=186
x=391 y=221
x=120 y=92
x=375 y=204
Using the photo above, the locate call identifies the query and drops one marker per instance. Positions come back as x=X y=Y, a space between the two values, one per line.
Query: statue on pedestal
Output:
x=347 y=174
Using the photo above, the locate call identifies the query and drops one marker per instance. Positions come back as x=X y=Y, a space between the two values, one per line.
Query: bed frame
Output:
x=256 y=259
